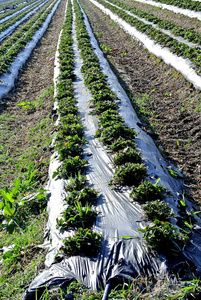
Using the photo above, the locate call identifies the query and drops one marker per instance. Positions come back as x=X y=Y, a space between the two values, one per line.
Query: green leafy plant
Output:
x=105 y=48
x=72 y=166
x=72 y=146
x=76 y=216
x=113 y=132
x=85 y=242
x=121 y=143
x=147 y=192
x=165 y=237
x=28 y=105
x=86 y=196
x=129 y=174
x=76 y=183
x=158 y=210
x=127 y=155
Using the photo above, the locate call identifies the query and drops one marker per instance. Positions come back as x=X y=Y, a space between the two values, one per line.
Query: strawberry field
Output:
x=100 y=150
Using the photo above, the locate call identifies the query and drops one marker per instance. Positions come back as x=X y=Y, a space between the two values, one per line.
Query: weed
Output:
x=28 y=105
x=105 y=48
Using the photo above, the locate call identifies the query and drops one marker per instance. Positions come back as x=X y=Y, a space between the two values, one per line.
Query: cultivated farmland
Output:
x=98 y=184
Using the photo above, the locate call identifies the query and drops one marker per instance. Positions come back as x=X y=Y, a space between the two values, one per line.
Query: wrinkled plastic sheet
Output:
x=10 y=29
x=7 y=80
x=186 y=12
x=182 y=65
x=168 y=32
x=123 y=254
x=17 y=12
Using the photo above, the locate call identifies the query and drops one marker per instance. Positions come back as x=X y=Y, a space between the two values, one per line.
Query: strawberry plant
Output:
x=113 y=132
x=86 y=196
x=72 y=146
x=165 y=237
x=120 y=144
x=85 y=242
x=127 y=155
x=72 y=166
x=158 y=210
x=129 y=174
x=147 y=192
x=76 y=183
x=76 y=216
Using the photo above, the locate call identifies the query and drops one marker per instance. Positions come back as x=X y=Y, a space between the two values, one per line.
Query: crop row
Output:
x=187 y=4
x=20 y=6
x=181 y=49
x=187 y=34
x=119 y=138
x=18 y=41
x=12 y=21
x=79 y=214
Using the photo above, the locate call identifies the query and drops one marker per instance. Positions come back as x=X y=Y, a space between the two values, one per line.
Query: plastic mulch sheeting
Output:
x=123 y=254
x=7 y=80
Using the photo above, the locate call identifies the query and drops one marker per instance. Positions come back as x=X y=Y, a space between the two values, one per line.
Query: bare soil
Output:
x=167 y=15
x=171 y=101
x=35 y=78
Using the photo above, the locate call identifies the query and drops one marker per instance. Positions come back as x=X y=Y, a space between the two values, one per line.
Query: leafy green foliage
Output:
x=121 y=144
x=72 y=166
x=147 y=192
x=114 y=131
x=18 y=41
x=129 y=174
x=76 y=183
x=158 y=210
x=76 y=216
x=179 y=48
x=72 y=147
x=165 y=237
x=127 y=155
x=85 y=241
x=86 y=196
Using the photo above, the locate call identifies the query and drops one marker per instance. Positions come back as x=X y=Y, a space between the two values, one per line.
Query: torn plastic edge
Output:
x=17 y=12
x=10 y=29
x=186 y=12
x=165 y=31
x=180 y=64
x=7 y=80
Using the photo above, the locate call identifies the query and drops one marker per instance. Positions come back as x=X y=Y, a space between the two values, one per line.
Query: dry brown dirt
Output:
x=170 y=101
x=35 y=78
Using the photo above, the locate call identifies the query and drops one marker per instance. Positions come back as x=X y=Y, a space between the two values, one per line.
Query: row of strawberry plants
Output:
x=18 y=41
x=188 y=34
x=12 y=21
x=186 y=4
x=181 y=49
x=119 y=138
x=79 y=214
x=20 y=6
x=18 y=35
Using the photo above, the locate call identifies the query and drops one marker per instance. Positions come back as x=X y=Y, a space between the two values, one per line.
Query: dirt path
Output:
x=169 y=101
x=167 y=15
x=19 y=131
